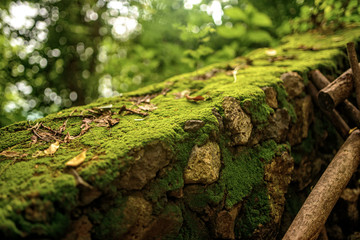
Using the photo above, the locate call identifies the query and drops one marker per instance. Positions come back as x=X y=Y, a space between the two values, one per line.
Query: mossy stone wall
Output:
x=131 y=183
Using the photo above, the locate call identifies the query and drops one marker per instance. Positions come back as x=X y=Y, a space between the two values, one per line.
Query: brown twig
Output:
x=135 y=112
x=73 y=116
x=355 y=69
x=51 y=130
x=340 y=125
x=317 y=207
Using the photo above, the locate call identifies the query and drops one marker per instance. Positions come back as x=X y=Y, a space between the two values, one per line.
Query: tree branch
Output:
x=317 y=207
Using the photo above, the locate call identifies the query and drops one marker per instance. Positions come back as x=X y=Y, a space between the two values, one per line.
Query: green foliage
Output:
x=327 y=15
x=73 y=52
x=248 y=25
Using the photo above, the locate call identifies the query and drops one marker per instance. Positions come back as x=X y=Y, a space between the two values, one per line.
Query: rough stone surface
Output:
x=271 y=97
x=193 y=125
x=167 y=224
x=304 y=112
x=80 y=229
x=351 y=197
x=204 y=164
x=225 y=223
x=294 y=84
x=147 y=162
x=237 y=121
x=38 y=211
x=137 y=217
x=278 y=177
x=308 y=169
x=219 y=118
x=278 y=125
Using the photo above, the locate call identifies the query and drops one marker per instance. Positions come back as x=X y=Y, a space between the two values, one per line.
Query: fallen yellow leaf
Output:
x=353 y=129
x=76 y=161
x=52 y=149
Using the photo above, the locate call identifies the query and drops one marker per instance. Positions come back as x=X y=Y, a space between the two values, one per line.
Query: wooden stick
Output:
x=317 y=207
x=355 y=69
x=340 y=125
x=350 y=110
x=319 y=79
x=337 y=91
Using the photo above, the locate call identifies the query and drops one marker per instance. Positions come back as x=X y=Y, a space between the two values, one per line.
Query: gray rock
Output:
x=236 y=121
x=294 y=84
x=204 y=164
x=193 y=125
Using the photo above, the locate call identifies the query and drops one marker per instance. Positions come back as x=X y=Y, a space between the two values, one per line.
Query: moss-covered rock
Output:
x=130 y=183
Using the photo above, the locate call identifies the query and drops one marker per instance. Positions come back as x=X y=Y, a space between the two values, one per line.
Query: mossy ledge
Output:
x=141 y=171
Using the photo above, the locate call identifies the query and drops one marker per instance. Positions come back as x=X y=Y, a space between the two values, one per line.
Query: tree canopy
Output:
x=57 y=54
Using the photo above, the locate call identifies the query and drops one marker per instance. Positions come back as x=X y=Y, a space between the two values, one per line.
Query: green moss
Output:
x=193 y=228
x=245 y=171
x=197 y=199
x=13 y=135
x=283 y=103
x=259 y=110
x=113 y=223
x=255 y=212
x=172 y=180
x=108 y=148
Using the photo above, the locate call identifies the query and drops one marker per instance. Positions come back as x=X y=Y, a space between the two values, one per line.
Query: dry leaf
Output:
x=197 y=98
x=34 y=139
x=49 y=151
x=181 y=94
x=351 y=130
x=11 y=154
x=148 y=107
x=113 y=121
x=52 y=149
x=136 y=111
x=76 y=161
x=141 y=99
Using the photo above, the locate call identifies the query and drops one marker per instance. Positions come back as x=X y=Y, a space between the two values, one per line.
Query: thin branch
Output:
x=355 y=69
x=312 y=216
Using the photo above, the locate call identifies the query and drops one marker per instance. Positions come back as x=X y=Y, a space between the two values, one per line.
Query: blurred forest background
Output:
x=57 y=54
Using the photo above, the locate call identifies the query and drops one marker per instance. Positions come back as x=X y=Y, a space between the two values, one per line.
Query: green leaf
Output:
x=258 y=36
x=203 y=50
x=236 y=31
x=261 y=20
x=236 y=13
